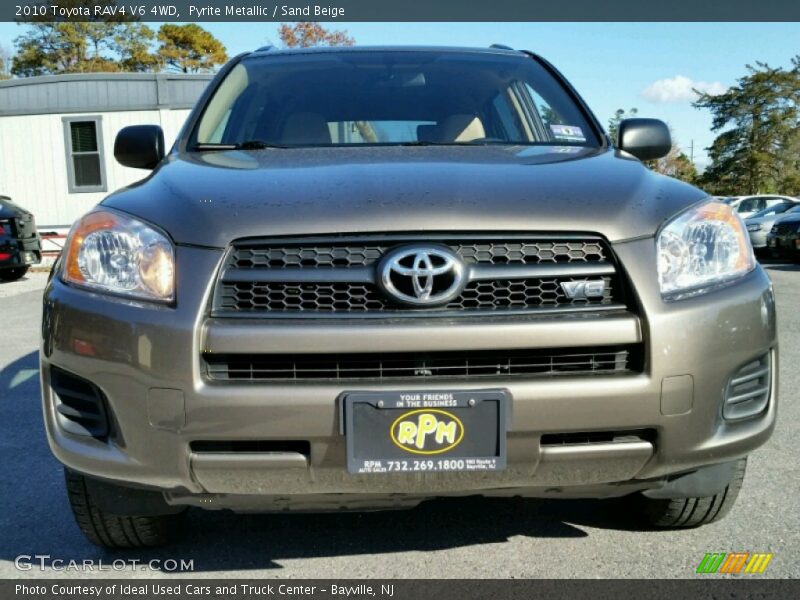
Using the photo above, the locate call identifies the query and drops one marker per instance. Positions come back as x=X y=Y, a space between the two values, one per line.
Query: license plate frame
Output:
x=383 y=430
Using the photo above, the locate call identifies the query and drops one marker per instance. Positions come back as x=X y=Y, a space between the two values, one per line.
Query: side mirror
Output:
x=646 y=139
x=139 y=146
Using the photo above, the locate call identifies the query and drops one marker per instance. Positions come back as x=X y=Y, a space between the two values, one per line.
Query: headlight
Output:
x=704 y=246
x=111 y=252
x=754 y=227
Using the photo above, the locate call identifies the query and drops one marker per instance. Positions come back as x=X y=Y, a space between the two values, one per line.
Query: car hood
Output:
x=793 y=218
x=211 y=198
x=769 y=219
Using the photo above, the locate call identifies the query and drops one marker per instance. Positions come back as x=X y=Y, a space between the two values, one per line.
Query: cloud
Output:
x=680 y=89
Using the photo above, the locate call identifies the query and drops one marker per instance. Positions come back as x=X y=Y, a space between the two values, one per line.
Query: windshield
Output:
x=390 y=97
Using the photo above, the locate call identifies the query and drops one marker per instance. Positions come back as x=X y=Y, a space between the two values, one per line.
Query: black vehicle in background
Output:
x=20 y=245
x=783 y=240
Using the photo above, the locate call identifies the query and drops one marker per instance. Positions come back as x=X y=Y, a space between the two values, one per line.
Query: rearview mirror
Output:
x=139 y=146
x=646 y=139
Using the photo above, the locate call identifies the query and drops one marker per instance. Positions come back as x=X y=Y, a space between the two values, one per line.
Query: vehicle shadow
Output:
x=23 y=278
x=775 y=264
x=37 y=518
x=783 y=267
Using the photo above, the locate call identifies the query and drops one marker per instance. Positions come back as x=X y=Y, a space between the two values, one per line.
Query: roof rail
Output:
x=501 y=47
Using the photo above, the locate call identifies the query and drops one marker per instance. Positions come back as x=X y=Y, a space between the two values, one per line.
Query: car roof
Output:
x=496 y=49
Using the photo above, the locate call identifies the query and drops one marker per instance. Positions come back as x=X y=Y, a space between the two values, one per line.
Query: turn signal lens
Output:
x=111 y=252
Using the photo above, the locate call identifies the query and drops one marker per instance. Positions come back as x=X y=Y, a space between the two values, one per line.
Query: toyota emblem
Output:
x=422 y=275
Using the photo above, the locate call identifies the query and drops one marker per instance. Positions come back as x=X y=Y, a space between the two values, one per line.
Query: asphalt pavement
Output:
x=445 y=538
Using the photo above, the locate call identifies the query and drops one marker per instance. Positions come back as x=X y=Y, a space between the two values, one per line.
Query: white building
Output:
x=57 y=136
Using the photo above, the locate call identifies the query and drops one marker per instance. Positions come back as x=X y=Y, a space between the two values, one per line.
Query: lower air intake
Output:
x=410 y=365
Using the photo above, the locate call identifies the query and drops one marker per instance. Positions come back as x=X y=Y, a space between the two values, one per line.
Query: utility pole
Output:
x=691 y=152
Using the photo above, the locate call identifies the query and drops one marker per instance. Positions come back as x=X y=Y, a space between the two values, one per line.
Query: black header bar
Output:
x=405 y=10
x=406 y=589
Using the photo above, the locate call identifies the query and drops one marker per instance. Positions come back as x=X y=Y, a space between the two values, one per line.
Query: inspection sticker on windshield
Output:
x=568 y=133
x=396 y=432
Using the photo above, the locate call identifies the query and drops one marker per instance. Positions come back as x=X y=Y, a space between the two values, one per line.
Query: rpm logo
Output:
x=427 y=431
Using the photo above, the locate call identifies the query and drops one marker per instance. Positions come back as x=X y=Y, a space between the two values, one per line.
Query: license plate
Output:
x=433 y=431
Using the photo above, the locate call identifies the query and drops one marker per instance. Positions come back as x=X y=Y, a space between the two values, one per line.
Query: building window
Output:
x=83 y=138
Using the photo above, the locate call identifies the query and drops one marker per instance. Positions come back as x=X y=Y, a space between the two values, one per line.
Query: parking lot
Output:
x=453 y=538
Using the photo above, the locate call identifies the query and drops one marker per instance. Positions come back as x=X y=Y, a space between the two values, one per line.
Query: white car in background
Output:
x=760 y=224
x=747 y=206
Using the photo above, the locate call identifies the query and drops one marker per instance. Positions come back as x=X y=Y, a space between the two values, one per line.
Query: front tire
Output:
x=13 y=274
x=692 y=512
x=116 y=531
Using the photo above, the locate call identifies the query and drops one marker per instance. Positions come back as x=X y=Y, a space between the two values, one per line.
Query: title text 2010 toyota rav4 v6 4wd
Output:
x=367 y=277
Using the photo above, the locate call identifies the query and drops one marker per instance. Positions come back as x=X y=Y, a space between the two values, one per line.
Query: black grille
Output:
x=305 y=256
x=532 y=253
x=79 y=404
x=523 y=293
x=282 y=297
x=784 y=228
x=479 y=252
x=250 y=446
x=459 y=365
x=347 y=297
x=598 y=437
x=337 y=276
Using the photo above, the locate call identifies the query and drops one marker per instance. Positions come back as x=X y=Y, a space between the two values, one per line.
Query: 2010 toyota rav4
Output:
x=363 y=278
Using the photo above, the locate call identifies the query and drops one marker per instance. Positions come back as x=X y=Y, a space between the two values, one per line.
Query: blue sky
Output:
x=650 y=66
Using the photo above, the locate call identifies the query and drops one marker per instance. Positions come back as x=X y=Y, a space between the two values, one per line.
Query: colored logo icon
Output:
x=734 y=563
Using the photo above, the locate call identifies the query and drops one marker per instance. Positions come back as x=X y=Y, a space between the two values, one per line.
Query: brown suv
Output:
x=363 y=278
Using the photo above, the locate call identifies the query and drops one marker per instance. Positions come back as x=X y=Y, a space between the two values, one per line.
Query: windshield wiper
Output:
x=480 y=142
x=425 y=143
x=258 y=145
x=248 y=145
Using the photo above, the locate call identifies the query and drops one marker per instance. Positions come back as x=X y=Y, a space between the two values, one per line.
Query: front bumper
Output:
x=784 y=245
x=146 y=359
